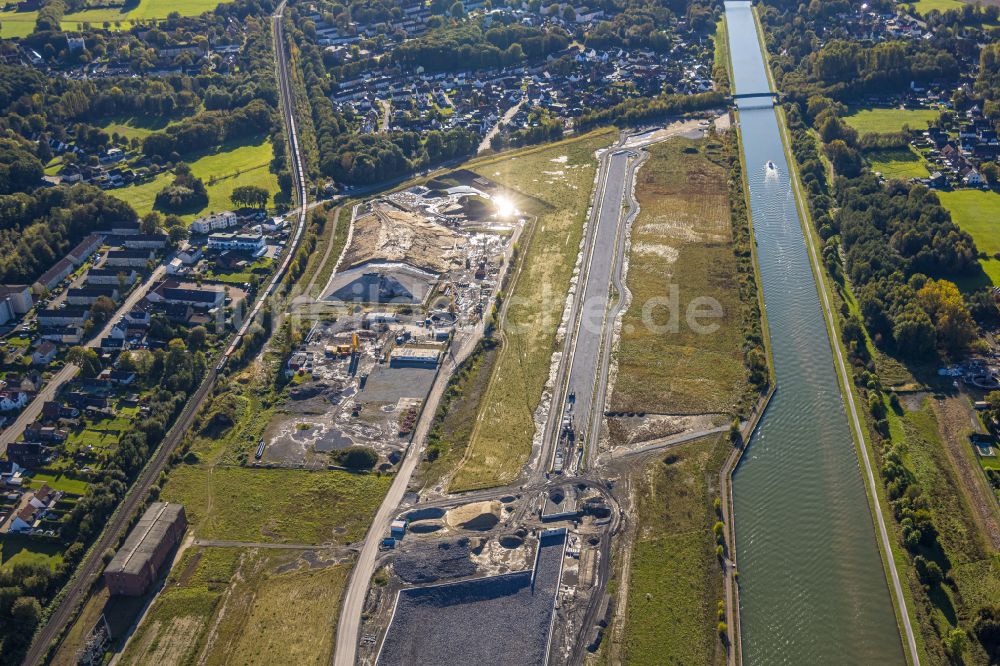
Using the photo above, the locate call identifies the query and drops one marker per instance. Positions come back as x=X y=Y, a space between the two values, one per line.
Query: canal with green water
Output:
x=812 y=586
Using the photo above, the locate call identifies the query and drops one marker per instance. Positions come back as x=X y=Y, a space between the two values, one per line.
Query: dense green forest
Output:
x=39 y=228
x=466 y=46
x=896 y=239
x=844 y=68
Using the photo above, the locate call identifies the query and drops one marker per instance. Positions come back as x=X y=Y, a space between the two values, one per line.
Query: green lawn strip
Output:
x=889 y=121
x=222 y=171
x=880 y=502
x=59 y=481
x=20 y=549
x=897 y=163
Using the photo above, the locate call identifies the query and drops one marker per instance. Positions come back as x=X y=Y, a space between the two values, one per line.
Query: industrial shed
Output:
x=137 y=563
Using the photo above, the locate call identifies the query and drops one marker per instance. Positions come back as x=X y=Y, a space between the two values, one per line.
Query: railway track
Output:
x=92 y=565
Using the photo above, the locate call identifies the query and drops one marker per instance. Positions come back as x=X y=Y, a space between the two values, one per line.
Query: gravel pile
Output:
x=424 y=563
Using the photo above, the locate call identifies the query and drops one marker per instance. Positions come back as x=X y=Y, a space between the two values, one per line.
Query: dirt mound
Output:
x=425 y=526
x=386 y=233
x=476 y=516
x=308 y=390
x=425 y=513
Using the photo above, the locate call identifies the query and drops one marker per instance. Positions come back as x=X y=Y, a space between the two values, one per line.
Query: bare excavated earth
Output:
x=389 y=234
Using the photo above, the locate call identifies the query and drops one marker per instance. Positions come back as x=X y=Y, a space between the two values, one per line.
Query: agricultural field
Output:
x=978 y=213
x=675 y=581
x=222 y=172
x=233 y=605
x=553 y=183
x=924 y=7
x=276 y=505
x=887 y=121
x=21 y=24
x=897 y=163
x=682 y=238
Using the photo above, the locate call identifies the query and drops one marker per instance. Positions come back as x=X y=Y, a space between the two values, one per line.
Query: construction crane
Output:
x=355 y=355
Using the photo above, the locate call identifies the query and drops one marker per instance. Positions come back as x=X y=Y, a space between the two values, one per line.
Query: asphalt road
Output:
x=31 y=412
x=597 y=274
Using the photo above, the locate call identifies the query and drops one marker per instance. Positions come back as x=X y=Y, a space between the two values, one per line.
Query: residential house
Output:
x=204 y=298
x=69 y=334
x=214 y=222
x=102 y=277
x=125 y=228
x=138 y=317
x=85 y=248
x=973 y=178
x=189 y=256
x=44 y=353
x=51 y=278
x=54 y=410
x=145 y=242
x=71 y=315
x=121 y=377
x=38 y=432
x=10 y=473
x=129 y=258
x=27 y=454
x=83 y=401
x=35 y=509
x=239 y=242
x=15 y=300
x=89 y=295
x=12 y=400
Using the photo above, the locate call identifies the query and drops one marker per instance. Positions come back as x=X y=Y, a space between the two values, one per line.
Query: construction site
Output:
x=507 y=580
x=419 y=267
x=429 y=249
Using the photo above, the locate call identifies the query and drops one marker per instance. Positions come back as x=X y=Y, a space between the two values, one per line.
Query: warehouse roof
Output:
x=145 y=537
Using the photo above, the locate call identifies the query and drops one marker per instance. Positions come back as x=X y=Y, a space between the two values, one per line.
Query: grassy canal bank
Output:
x=669 y=580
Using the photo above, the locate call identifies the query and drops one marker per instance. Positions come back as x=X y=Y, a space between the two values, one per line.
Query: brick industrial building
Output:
x=137 y=563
